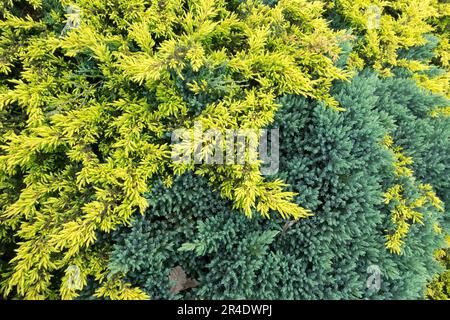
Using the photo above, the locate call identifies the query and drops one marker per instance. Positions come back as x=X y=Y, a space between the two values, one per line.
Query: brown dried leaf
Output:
x=178 y=275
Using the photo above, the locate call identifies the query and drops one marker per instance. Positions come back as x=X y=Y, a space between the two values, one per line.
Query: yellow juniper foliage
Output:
x=117 y=289
x=441 y=84
x=383 y=27
x=439 y=287
x=405 y=210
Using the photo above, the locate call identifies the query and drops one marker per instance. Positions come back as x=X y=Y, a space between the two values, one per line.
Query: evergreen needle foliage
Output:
x=340 y=166
x=93 y=206
x=97 y=104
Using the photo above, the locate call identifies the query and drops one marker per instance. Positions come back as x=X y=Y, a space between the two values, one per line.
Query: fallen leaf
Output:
x=178 y=276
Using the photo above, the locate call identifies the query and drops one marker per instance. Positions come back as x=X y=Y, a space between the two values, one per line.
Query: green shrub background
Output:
x=92 y=207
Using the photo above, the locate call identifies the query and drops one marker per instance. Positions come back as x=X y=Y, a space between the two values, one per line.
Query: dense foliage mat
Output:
x=92 y=204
